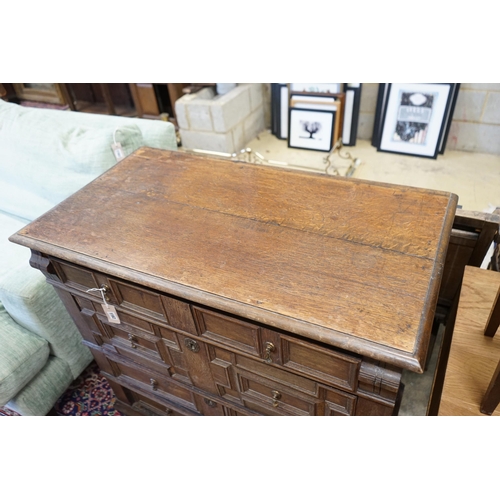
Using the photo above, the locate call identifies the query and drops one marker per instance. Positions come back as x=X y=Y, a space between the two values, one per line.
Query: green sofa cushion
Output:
x=22 y=356
x=40 y=395
x=35 y=305
x=47 y=155
x=12 y=255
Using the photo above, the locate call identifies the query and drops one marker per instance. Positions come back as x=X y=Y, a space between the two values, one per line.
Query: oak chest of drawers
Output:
x=246 y=290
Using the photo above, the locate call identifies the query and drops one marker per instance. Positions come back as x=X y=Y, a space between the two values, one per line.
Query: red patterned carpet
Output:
x=89 y=395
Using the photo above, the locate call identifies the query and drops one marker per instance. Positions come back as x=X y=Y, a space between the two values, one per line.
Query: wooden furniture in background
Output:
x=494 y=318
x=245 y=290
x=492 y=396
x=145 y=101
x=101 y=98
x=54 y=93
x=9 y=92
x=472 y=235
x=156 y=100
x=473 y=356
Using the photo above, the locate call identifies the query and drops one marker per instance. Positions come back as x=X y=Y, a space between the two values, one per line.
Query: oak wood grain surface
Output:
x=473 y=356
x=351 y=263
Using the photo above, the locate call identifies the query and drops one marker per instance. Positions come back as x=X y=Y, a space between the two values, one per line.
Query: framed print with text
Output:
x=414 y=118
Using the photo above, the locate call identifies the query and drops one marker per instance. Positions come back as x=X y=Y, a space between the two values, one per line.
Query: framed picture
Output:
x=332 y=88
x=324 y=103
x=455 y=89
x=377 y=124
x=279 y=110
x=414 y=118
x=351 y=113
x=311 y=129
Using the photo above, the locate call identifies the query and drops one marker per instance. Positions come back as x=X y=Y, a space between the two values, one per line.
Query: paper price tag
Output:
x=117 y=150
x=111 y=313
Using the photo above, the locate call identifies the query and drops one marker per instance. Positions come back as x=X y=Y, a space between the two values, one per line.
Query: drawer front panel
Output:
x=138 y=299
x=74 y=276
x=154 y=383
x=338 y=403
x=327 y=365
x=131 y=338
x=275 y=398
x=228 y=331
x=150 y=407
x=278 y=375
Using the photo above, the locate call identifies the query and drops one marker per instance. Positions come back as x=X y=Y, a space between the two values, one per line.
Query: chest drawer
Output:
x=143 y=405
x=137 y=300
x=278 y=392
x=275 y=348
x=150 y=382
x=271 y=398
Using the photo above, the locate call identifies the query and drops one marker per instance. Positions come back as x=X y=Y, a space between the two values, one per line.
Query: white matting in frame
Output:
x=311 y=129
x=414 y=118
x=333 y=88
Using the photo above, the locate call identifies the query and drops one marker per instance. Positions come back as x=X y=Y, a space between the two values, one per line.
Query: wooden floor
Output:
x=473 y=357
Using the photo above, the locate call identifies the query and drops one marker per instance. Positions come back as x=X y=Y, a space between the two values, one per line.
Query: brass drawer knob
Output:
x=105 y=291
x=210 y=403
x=192 y=345
x=276 y=397
x=269 y=349
x=133 y=340
x=153 y=383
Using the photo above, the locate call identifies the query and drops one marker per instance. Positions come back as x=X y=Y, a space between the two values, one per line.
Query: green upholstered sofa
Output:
x=45 y=156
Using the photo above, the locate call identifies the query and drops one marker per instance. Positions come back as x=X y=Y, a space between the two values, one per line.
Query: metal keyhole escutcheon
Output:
x=192 y=345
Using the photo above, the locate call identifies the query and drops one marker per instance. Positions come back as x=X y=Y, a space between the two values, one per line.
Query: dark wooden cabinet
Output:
x=156 y=100
x=244 y=290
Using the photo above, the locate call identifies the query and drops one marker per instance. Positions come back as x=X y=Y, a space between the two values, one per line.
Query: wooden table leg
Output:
x=494 y=320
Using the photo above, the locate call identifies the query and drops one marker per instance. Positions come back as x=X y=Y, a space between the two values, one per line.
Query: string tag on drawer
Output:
x=109 y=310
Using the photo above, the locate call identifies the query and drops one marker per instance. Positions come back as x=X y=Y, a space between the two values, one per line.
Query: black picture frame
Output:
x=324 y=139
x=377 y=124
x=279 y=110
x=414 y=118
x=349 y=132
x=444 y=139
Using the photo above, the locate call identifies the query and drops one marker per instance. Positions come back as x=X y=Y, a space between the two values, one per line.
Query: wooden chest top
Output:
x=351 y=263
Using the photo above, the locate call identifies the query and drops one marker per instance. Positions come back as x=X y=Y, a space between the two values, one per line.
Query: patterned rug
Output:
x=89 y=395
